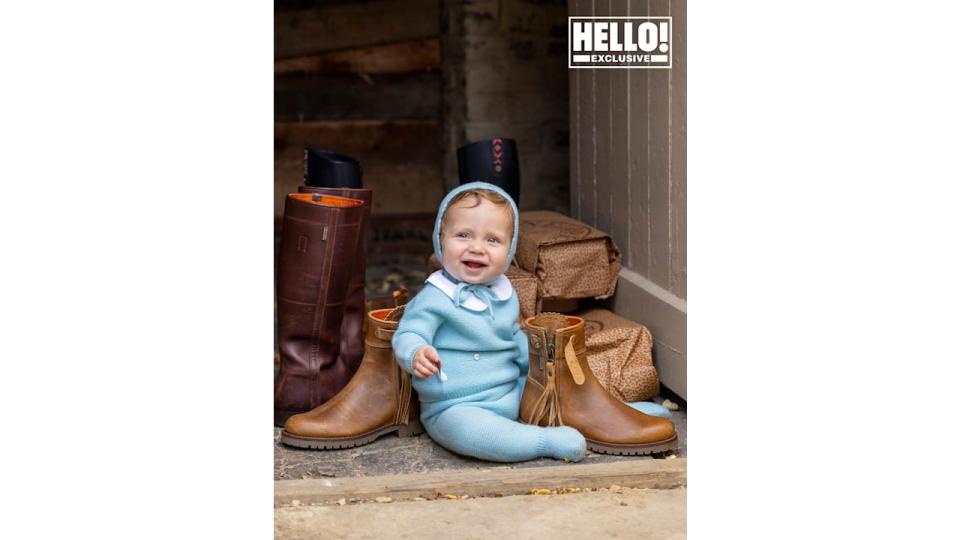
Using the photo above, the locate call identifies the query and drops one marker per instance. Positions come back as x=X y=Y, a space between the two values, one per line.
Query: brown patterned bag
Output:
x=619 y=352
x=525 y=285
x=569 y=258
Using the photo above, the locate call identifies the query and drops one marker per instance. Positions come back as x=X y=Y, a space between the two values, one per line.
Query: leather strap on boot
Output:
x=406 y=387
x=573 y=363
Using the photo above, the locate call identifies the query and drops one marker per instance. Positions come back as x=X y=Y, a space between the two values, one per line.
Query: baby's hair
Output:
x=476 y=195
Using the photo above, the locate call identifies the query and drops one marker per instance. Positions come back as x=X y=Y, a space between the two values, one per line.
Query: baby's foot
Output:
x=566 y=443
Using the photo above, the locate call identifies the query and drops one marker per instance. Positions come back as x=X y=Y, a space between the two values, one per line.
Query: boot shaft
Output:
x=557 y=348
x=319 y=233
x=380 y=331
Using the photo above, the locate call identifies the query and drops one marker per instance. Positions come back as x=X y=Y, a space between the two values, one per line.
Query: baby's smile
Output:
x=476 y=240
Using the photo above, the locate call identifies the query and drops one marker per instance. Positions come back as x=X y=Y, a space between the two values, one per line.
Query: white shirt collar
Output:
x=501 y=288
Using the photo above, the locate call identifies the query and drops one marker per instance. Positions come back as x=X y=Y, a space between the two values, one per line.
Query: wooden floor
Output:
x=486 y=482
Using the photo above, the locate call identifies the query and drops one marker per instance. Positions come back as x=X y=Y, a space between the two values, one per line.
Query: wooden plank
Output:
x=578 y=115
x=603 y=139
x=344 y=26
x=665 y=316
x=302 y=97
x=393 y=140
x=641 y=473
x=678 y=152
x=603 y=135
x=638 y=103
x=420 y=55
x=659 y=166
x=575 y=136
x=619 y=157
x=588 y=145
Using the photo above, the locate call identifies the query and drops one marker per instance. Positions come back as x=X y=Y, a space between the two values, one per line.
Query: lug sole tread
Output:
x=316 y=443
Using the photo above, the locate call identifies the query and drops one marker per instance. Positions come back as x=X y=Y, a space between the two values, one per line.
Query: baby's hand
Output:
x=426 y=362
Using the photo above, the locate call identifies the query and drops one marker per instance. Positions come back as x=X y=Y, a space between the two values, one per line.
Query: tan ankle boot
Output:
x=562 y=391
x=378 y=400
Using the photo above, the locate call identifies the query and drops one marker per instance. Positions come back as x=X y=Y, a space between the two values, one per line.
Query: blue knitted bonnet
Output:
x=443 y=209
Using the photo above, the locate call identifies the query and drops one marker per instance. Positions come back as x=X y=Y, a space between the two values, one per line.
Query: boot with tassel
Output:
x=378 y=400
x=562 y=391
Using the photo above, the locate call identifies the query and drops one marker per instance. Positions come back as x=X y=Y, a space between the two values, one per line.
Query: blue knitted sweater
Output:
x=478 y=353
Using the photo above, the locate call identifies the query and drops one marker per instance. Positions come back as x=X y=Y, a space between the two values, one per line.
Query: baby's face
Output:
x=476 y=241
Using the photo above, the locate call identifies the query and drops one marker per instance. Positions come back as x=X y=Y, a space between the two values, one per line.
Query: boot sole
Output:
x=316 y=443
x=633 y=449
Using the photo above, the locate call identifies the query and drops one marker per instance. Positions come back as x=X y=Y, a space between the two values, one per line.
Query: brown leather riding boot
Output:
x=351 y=329
x=379 y=399
x=562 y=391
x=319 y=236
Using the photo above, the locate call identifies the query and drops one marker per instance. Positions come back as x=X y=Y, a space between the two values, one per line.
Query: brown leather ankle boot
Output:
x=319 y=234
x=562 y=391
x=351 y=329
x=379 y=399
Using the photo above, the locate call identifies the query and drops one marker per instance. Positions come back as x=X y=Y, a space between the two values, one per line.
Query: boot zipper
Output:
x=551 y=353
x=541 y=345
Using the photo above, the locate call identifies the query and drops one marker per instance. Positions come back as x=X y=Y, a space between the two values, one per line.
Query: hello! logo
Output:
x=620 y=42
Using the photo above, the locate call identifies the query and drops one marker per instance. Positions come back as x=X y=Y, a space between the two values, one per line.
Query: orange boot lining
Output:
x=380 y=314
x=326 y=200
x=571 y=321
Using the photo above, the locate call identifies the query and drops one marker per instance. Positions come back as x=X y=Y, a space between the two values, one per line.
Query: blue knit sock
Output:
x=651 y=408
x=565 y=443
x=484 y=434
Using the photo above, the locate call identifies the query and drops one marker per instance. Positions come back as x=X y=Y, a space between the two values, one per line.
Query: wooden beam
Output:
x=665 y=314
x=305 y=97
x=640 y=473
x=391 y=140
x=345 y=26
x=421 y=55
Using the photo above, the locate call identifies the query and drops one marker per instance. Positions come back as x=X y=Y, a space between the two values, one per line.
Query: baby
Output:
x=461 y=340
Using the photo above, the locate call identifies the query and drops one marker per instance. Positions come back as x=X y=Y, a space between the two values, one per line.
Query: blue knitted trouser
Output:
x=481 y=429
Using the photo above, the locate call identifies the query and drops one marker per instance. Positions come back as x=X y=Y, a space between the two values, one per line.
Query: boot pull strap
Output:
x=573 y=364
x=403 y=411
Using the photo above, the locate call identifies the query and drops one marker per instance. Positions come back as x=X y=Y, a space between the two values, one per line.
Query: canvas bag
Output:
x=525 y=285
x=570 y=259
x=620 y=354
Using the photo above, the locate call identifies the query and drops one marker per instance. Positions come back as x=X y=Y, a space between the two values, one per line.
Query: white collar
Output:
x=501 y=288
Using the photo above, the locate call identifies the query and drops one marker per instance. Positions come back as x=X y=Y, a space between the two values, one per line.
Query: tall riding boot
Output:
x=351 y=329
x=495 y=161
x=319 y=239
x=378 y=400
x=562 y=391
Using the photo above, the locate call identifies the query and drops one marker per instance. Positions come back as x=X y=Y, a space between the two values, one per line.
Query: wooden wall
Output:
x=628 y=178
x=505 y=75
x=363 y=79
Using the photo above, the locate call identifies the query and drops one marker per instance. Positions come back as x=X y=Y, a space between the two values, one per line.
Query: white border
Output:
x=570 y=41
